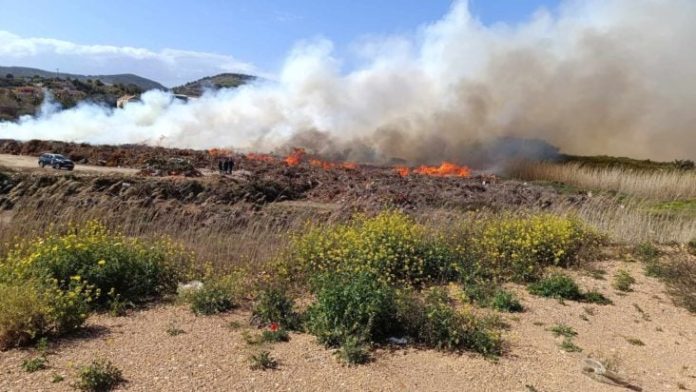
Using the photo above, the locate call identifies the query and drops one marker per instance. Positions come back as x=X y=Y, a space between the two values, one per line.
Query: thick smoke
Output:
x=595 y=77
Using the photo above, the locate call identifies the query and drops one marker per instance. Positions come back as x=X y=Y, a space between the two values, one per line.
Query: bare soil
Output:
x=25 y=162
x=212 y=356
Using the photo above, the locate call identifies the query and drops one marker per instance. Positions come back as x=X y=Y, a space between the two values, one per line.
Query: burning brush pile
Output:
x=371 y=187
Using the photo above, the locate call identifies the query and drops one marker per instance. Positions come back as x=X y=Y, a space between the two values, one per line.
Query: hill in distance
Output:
x=22 y=88
x=224 y=80
x=124 y=79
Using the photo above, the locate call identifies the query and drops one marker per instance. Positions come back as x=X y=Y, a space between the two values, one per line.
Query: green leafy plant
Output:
x=519 y=248
x=108 y=261
x=274 y=306
x=691 y=246
x=568 y=346
x=275 y=334
x=556 y=286
x=595 y=297
x=31 y=309
x=390 y=245
x=505 y=301
x=487 y=295
x=435 y=323
x=34 y=364
x=100 y=375
x=563 y=330
x=351 y=305
x=263 y=361
x=623 y=281
x=210 y=299
x=353 y=352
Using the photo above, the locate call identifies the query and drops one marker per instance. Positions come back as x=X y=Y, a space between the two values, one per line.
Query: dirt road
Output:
x=25 y=162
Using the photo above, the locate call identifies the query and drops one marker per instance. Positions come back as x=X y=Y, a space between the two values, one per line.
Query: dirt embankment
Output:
x=129 y=155
x=366 y=189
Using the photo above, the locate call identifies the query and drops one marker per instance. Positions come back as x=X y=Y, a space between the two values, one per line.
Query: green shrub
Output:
x=274 y=306
x=654 y=269
x=436 y=324
x=519 y=248
x=390 y=245
x=596 y=297
x=505 y=301
x=353 y=352
x=650 y=256
x=209 y=299
x=443 y=327
x=100 y=375
x=356 y=305
x=34 y=364
x=623 y=281
x=479 y=292
x=646 y=252
x=488 y=295
x=680 y=276
x=558 y=286
x=275 y=335
x=110 y=262
x=32 y=309
x=263 y=361
x=568 y=346
x=563 y=330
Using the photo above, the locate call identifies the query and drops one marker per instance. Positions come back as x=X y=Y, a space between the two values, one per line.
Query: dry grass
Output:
x=236 y=237
x=629 y=222
x=638 y=213
x=655 y=184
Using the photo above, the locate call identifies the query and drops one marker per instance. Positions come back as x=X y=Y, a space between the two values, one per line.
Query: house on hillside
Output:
x=126 y=99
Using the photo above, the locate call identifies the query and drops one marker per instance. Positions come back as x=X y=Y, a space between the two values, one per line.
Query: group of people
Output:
x=225 y=165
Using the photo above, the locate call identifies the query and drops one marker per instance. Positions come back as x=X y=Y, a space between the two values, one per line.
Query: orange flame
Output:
x=220 y=152
x=260 y=157
x=445 y=169
x=403 y=170
x=322 y=164
x=295 y=157
x=332 y=165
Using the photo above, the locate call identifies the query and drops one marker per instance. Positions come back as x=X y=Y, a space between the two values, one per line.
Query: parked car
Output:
x=56 y=161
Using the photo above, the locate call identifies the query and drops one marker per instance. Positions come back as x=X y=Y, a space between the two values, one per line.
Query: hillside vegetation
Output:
x=225 y=80
x=23 y=95
x=123 y=79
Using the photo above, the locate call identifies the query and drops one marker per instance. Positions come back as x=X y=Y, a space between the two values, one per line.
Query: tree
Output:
x=9 y=76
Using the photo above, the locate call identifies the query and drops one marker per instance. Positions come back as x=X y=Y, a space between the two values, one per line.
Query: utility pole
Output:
x=57 y=73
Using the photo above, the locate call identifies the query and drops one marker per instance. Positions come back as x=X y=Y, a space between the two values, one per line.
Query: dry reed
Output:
x=655 y=184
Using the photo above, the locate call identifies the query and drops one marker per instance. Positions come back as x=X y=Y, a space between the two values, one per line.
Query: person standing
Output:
x=220 y=165
x=230 y=165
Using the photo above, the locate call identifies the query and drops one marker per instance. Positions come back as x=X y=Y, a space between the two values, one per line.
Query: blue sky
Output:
x=246 y=35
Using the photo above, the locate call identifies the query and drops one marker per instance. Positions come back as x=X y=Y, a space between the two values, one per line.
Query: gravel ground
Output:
x=212 y=356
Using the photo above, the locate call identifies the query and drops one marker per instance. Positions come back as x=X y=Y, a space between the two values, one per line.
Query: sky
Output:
x=175 y=41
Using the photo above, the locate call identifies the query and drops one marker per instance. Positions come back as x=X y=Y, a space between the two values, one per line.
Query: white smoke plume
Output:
x=594 y=77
